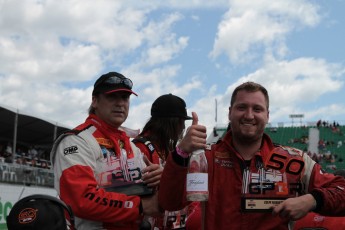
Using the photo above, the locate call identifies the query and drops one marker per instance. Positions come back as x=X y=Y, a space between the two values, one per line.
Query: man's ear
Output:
x=94 y=101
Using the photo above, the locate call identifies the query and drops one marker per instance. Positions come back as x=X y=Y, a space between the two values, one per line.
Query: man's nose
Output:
x=249 y=113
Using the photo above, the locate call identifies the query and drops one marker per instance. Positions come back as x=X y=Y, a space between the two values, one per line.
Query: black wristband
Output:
x=319 y=200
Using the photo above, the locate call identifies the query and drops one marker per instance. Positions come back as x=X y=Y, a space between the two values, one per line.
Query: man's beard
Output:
x=246 y=139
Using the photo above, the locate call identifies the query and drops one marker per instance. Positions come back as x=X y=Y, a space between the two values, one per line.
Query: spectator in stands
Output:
x=318 y=124
x=19 y=160
x=32 y=152
x=8 y=149
x=321 y=144
x=248 y=174
x=40 y=153
x=92 y=161
x=19 y=152
x=44 y=164
x=33 y=162
x=24 y=161
x=8 y=153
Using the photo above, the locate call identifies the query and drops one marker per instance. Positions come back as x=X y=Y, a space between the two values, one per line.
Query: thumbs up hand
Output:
x=195 y=137
x=195 y=118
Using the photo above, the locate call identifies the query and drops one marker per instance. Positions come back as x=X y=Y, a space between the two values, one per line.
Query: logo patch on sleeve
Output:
x=70 y=150
x=128 y=204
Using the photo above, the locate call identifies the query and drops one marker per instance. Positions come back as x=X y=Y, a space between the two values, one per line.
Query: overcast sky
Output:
x=52 y=51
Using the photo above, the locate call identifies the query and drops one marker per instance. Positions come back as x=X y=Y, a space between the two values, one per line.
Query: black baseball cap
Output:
x=169 y=105
x=112 y=82
x=38 y=212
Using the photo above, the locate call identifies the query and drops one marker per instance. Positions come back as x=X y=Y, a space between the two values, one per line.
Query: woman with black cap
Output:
x=159 y=137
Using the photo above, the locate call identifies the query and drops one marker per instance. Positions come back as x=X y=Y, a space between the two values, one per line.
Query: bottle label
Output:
x=197 y=182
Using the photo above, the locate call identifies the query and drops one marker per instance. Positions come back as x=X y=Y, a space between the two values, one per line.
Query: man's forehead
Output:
x=250 y=95
x=245 y=97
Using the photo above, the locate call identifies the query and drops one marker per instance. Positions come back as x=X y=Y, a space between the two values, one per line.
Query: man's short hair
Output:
x=250 y=87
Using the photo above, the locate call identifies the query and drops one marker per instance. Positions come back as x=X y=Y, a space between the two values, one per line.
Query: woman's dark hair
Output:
x=164 y=132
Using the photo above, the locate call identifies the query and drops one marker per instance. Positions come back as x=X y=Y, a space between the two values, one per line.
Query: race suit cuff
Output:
x=319 y=200
x=182 y=161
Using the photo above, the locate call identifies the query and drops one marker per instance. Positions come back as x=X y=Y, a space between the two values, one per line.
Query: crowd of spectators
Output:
x=326 y=155
x=330 y=151
x=334 y=126
x=31 y=155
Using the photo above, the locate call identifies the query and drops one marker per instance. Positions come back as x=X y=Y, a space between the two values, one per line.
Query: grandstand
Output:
x=330 y=144
x=21 y=133
x=25 y=169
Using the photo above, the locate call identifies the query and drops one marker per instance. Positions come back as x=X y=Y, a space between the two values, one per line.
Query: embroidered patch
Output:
x=70 y=150
x=128 y=204
x=292 y=151
x=27 y=215
x=227 y=163
x=318 y=218
x=105 y=142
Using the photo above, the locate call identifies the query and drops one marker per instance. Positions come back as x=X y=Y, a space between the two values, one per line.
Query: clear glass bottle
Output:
x=197 y=177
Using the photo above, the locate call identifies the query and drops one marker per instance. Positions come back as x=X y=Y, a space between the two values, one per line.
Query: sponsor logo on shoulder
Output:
x=70 y=150
x=293 y=151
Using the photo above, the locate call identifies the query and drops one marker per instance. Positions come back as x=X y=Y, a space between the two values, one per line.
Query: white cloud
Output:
x=292 y=84
x=290 y=81
x=163 y=45
x=53 y=47
x=52 y=51
x=165 y=52
x=251 y=26
x=183 y=5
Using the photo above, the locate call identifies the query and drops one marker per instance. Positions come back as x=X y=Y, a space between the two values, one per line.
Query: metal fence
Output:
x=26 y=175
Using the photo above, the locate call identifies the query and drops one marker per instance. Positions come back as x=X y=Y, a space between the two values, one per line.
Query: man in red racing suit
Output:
x=226 y=168
x=253 y=184
x=96 y=159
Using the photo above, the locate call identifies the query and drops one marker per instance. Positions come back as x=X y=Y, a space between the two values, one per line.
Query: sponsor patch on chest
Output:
x=223 y=159
x=224 y=162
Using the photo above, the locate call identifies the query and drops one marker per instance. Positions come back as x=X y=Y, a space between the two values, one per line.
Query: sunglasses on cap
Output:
x=115 y=80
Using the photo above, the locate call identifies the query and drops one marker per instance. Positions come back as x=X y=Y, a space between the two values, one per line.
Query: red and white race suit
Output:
x=237 y=189
x=91 y=157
